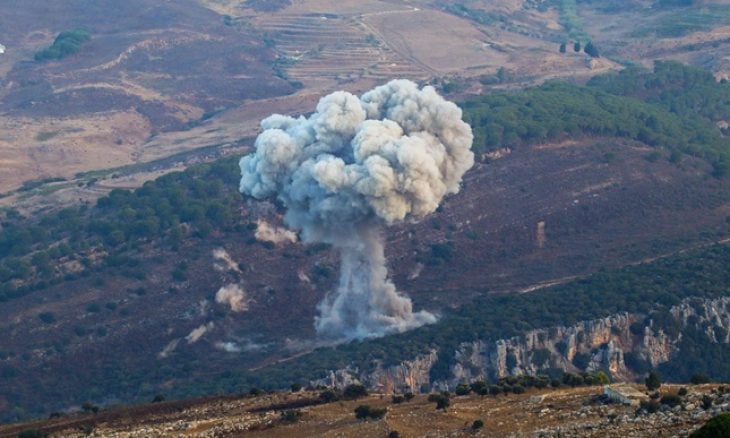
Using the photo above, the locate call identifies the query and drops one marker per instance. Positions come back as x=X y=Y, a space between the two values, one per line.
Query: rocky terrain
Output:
x=601 y=343
x=566 y=412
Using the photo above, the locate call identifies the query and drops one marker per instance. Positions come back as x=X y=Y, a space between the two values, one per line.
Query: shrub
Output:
x=462 y=389
x=408 y=396
x=158 y=398
x=363 y=412
x=398 y=399
x=698 y=379
x=518 y=389
x=394 y=434
x=650 y=406
x=47 y=317
x=671 y=400
x=296 y=387
x=478 y=386
x=477 y=424
x=682 y=392
x=255 y=392
x=653 y=380
x=31 y=433
x=354 y=391
x=706 y=402
x=718 y=426
x=328 y=396
x=291 y=416
x=88 y=407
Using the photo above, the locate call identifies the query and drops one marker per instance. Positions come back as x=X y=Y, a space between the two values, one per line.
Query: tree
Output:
x=653 y=380
x=563 y=47
x=477 y=424
x=462 y=389
x=328 y=396
x=591 y=50
x=354 y=391
x=291 y=416
x=576 y=46
x=698 y=379
x=442 y=402
x=717 y=426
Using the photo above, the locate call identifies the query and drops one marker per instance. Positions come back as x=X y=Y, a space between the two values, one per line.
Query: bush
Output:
x=651 y=406
x=363 y=412
x=47 y=317
x=442 y=400
x=354 y=391
x=706 y=402
x=462 y=389
x=398 y=399
x=682 y=392
x=408 y=396
x=158 y=398
x=718 y=426
x=291 y=416
x=328 y=396
x=477 y=424
x=296 y=387
x=653 y=380
x=32 y=433
x=518 y=389
x=698 y=379
x=671 y=400
x=478 y=387
x=394 y=434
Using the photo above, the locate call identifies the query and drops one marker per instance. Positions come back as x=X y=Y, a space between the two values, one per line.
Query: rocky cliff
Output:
x=618 y=344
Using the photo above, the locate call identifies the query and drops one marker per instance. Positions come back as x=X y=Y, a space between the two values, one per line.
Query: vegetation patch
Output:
x=66 y=43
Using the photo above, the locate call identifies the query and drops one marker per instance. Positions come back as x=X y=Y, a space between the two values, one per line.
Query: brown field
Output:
x=571 y=410
x=175 y=79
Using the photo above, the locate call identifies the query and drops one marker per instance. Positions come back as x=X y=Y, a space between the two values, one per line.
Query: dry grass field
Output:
x=550 y=412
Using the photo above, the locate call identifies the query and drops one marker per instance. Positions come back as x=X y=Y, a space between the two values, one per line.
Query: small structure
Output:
x=2 y=49
x=624 y=394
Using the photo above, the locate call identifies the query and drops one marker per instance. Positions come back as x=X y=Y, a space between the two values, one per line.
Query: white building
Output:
x=2 y=49
x=624 y=394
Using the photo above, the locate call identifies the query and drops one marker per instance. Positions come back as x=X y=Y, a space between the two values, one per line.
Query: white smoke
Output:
x=197 y=333
x=353 y=166
x=169 y=348
x=233 y=296
x=228 y=347
x=269 y=233
x=224 y=262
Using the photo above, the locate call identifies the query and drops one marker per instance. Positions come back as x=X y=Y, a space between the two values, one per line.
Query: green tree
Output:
x=576 y=46
x=716 y=427
x=653 y=380
x=591 y=50
x=563 y=47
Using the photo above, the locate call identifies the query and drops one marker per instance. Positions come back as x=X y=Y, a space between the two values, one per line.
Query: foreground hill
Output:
x=570 y=412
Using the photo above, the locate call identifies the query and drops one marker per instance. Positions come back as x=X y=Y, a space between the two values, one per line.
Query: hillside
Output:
x=143 y=96
x=134 y=278
x=545 y=412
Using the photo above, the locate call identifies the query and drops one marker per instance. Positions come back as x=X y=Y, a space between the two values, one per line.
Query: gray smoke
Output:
x=353 y=166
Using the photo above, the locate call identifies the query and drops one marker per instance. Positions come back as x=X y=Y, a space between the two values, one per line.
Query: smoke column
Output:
x=352 y=167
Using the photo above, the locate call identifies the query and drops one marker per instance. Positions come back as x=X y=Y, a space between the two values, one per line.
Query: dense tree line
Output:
x=673 y=107
x=66 y=43
x=190 y=204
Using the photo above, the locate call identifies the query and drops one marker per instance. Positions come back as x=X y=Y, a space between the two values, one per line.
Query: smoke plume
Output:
x=233 y=296
x=224 y=262
x=270 y=233
x=352 y=167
